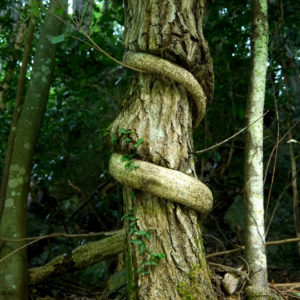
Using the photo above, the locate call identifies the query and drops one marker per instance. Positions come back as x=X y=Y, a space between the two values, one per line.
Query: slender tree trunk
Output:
x=296 y=205
x=159 y=111
x=17 y=110
x=254 y=192
x=13 y=271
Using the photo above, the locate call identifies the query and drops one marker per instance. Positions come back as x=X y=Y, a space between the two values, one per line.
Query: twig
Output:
x=270 y=243
x=283 y=137
x=230 y=270
x=230 y=138
x=95 y=46
x=278 y=200
x=88 y=201
x=63 y=235
x=276 y=147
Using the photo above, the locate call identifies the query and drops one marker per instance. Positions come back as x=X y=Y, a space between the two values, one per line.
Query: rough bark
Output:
x=13 y=271
x=159 y=110
x=82 y=257
x=254 y=193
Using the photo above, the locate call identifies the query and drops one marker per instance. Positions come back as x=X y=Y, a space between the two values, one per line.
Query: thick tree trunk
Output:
x=159 y=111
x=254 y=192
x=13 y=271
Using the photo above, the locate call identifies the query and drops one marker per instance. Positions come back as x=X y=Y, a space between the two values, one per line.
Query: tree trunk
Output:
x=13 y=271
x=17 y=110
x=159 y=110
x=254 y=192
x=296 y=202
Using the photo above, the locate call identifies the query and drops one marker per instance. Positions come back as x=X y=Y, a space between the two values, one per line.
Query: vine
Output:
x=148 y=258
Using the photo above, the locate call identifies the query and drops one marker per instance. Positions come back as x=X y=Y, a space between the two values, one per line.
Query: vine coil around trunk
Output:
x=162 y=182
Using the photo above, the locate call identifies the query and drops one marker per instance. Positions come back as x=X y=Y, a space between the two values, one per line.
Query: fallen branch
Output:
x=82 y=257
x=229 y=270
x=93 y=252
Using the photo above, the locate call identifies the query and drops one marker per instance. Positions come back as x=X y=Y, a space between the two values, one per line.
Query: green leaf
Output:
x=296 y=293
x=145 y=273
x=142 y=248
x=151 y=263
x=148 y=235
x=122 y=130
x=124 y=157
x=158 y=255
x=34 y=9
x=132 y=195
x=59 y=11
x=141 y=232
x=58 y=39
x=136 y=242
x=138 y=142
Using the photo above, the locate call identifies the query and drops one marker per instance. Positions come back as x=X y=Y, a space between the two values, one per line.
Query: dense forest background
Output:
x=71 y=189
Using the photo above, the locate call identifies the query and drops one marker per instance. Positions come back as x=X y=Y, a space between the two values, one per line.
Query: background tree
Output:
x=13 y=222
x=254 y=191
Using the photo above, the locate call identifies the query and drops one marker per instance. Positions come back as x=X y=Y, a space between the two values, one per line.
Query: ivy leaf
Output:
x=58 y=39
x=122 y=130
x=151 y=263
x=148 y=235
x=124 y=157
x=141 y=232
x=145 y=273
x=138 y=142
x=132 y=195
x=127 y=140
x=142 y=248
x=137 y=242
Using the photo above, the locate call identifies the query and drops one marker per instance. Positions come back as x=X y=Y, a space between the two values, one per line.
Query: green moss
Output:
x=190 y=290
x=130 y=277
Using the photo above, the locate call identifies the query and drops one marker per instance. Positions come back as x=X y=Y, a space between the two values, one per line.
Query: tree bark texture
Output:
x=13 y=271
x=160 y=110
x=254 y=193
